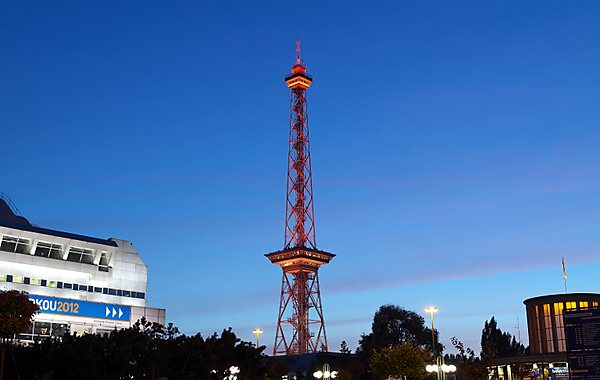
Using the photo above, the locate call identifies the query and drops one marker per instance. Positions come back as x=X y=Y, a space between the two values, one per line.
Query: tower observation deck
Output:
x=300 y=322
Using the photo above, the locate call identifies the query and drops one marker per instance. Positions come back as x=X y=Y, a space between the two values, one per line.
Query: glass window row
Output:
x=54 y=251
x=71 y=286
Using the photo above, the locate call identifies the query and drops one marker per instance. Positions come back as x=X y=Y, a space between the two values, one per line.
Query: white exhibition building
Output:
x=81 y=284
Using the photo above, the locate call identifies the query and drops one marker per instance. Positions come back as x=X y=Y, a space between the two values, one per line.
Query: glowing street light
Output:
x=432 y=310
x=257 y=333
x=326 y=373
x=443 y=368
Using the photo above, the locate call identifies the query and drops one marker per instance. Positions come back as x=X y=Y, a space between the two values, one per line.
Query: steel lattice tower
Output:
x=299 y=331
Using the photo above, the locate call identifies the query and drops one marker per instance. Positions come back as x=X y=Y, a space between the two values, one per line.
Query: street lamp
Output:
x=326 y=373
x=257 y=333
x=444 y=369
x=432 y=310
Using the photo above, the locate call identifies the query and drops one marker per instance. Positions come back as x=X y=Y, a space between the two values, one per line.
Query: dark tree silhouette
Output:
x=498 y=344
x=394 y=325
x=344 y=348
x=469 y=366
x=144 y=351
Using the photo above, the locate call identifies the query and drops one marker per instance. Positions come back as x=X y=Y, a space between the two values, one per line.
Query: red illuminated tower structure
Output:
x=300 y=323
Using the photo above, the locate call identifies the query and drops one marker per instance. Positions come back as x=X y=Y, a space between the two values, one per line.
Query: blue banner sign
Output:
x=77 y=308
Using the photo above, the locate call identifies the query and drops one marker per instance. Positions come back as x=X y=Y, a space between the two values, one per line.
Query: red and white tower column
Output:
x=300 y=323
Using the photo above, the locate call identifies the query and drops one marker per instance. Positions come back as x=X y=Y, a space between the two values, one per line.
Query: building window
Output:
x=571 y=305
x=583 y=304
x=59 y=329
x=41 y=328
x=14 y=244
x=67 y=286
x=43 y=282
x=52 y=284
x=97 y=290
x=35 y=281
x=548 y=328
x=26 y=280
x=83 y=288
x=2 y=277
x=103 y=264
x=17 y=279
x=538 y=328
x=594 y=304
x=81 y=255
x=560 y=327
x=53 y=251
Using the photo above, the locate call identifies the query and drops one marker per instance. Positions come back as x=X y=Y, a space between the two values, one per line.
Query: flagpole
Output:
x=564 y=268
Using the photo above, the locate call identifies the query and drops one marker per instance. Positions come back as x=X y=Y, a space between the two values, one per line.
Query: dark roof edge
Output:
x=541 y=358
x=62 y=234
x=561 y=296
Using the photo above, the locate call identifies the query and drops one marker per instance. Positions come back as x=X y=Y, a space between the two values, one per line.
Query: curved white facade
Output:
x=81 y=283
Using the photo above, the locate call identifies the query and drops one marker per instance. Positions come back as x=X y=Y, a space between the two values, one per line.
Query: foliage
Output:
x=394 y=325
x=344 y=348
x=144 y=351
x=468 y=366
x=498 y=344
x=399 y=361
x=277 y=370
x=16 y=313
x=356 y=368
x=344 y=375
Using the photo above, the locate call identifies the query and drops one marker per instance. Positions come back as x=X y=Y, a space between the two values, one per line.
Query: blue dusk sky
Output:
x=455 y=147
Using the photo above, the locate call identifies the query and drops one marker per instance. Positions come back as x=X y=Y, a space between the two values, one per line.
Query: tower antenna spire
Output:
x=297 y=51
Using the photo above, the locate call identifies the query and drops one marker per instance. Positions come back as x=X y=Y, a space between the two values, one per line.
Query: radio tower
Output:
x=300 y=323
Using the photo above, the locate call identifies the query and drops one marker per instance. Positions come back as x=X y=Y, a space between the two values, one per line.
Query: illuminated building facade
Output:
x=81 y=284
x=548 y=357
x=545 y=320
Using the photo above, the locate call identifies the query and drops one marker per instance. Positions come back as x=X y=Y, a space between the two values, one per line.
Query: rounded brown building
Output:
x=545 y=321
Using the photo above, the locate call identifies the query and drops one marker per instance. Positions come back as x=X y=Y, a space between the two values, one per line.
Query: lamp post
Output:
x=257 y=333
x=432 y=310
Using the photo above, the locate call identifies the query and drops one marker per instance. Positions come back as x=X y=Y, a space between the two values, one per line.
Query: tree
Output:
x=277 y=371
x=16 y=313
x=344 y=375
x=498 y=344
x=394 y=325
x=469 y=366
x=399 y=362
x=356 y=368
x=144 y=351
x=344 y=348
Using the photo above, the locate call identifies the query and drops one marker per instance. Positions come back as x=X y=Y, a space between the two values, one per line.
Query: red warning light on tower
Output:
x=300 y=322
